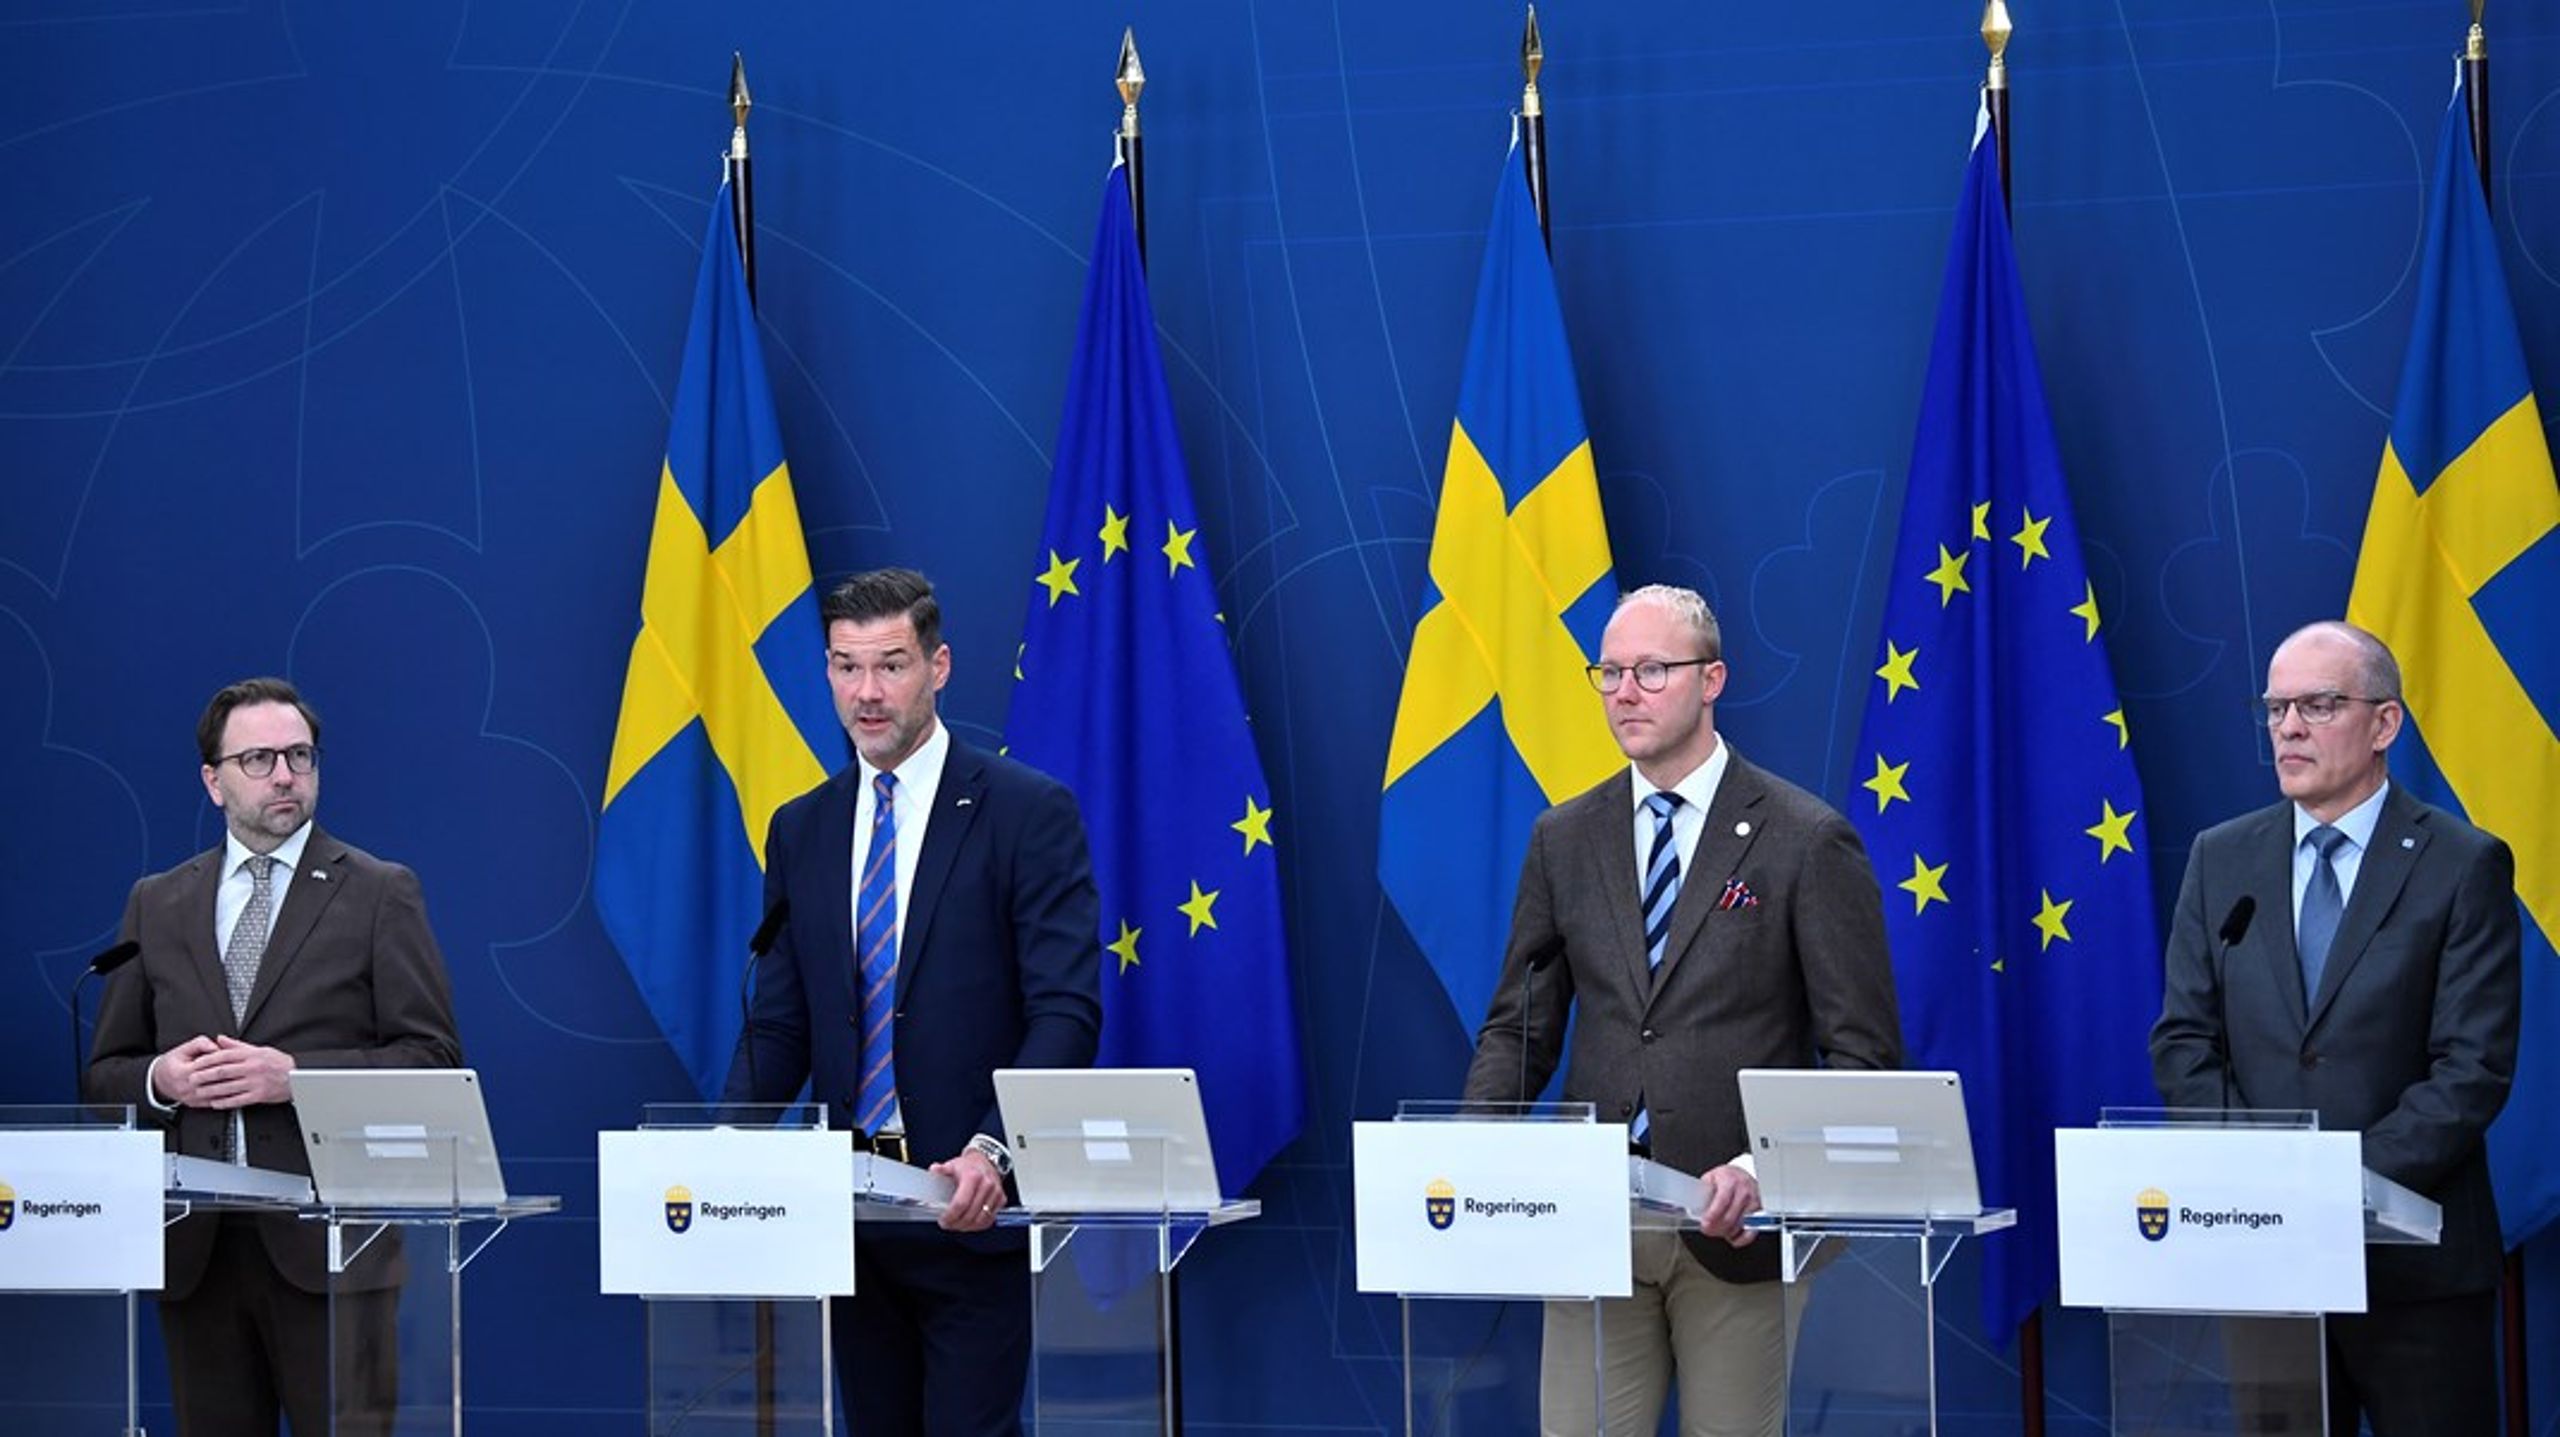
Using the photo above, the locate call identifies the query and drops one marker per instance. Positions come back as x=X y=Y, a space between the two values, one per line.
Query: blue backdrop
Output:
x=338 y=340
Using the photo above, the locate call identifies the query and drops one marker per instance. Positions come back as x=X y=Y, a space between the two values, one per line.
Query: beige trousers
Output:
x=1727 y=1342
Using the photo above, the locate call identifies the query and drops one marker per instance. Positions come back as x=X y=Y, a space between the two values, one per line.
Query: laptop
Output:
x=1842 y=1143
x=397 y=1137
x=1107 y=1139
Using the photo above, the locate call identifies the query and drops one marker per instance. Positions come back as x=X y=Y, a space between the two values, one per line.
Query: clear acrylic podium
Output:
x=1104 y=1359
x=761 y=1366
x=396 y=1352
x=2217 y=1374
x=80 y=1337
x=1864 y=1356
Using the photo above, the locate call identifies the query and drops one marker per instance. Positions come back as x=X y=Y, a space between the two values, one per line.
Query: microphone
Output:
x=2235 y=926
x=757 y=946
x=1539 y=961
x=105 y=963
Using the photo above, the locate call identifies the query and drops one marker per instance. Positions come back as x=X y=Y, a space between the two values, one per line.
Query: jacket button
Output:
x=1626 y=1110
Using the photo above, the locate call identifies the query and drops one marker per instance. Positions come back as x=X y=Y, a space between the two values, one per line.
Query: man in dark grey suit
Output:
x=1707 y=917
x=2378 y=983
x=282 y=948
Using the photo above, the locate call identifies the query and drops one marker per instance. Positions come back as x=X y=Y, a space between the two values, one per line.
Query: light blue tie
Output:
x=1661 y=895
x=875 y=938
x=2322 y=903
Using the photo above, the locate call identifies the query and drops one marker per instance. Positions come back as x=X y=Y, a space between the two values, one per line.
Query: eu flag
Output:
x=2000 y=799
x=2460 y=574
x=725 y=714
x=1496 y=722
x=1128 y=695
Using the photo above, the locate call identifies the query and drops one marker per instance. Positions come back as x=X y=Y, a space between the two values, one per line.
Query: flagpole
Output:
x=742 y=190
x=1533 y=123
x=1132 y=78
x=1995 y=102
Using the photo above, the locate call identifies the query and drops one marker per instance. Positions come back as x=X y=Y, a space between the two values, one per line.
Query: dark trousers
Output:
x=246 y=1347
x=936 y=1338
x=2416 y=1369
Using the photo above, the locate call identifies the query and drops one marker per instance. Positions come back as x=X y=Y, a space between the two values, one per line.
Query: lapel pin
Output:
x=2408 y=843
x=962 y=802
x=1742 y=829
x=320 y=875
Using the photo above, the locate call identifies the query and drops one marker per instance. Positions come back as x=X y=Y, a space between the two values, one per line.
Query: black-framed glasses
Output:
x=260 y=762
x=2319 y=708
x=1652 y=676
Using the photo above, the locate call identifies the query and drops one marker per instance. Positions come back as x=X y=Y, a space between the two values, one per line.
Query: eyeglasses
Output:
x=1652 y=676
x=260 y=762
x=2319 y=708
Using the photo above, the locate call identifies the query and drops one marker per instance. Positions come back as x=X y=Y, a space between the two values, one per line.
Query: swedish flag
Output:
x=725 y=713
x=2460 y=575
x=1999 y=797
x=1128 y=695
x=1496 y=721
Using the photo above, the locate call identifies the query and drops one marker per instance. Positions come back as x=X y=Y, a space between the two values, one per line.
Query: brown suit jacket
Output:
x=1799 y=978
x=352 y=979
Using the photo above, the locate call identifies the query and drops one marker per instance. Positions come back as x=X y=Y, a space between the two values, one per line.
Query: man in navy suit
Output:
x=2378 y=984
x=942 y=925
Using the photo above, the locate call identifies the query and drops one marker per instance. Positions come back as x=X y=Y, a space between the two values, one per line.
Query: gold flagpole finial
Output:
x=1995 y=35
x=2477 y=46
x=1132 y=78
x=1533 y=56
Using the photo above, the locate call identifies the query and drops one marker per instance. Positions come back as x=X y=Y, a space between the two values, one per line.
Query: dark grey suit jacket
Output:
x=2411 y=1039
x=352 y=979
x=1802 y=977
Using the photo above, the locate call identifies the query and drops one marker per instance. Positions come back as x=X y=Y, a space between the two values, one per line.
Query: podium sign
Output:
x=2210 y=1219
x=725 y=1212
x=1492 y=1209
x=80 y=1211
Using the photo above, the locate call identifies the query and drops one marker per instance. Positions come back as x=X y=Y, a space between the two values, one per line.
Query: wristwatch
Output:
x=996 y=1153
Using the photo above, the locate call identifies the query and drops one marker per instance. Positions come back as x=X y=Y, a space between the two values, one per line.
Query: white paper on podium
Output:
x=725 y=1212
x=80 y=1211
x=2209 y=1219
x=1492 y=1209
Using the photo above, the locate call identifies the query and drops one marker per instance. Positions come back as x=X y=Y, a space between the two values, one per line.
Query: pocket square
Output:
x=1737 y=894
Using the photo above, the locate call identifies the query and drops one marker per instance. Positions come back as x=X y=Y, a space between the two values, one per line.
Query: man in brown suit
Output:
x=282 y=948
x=1707 y=917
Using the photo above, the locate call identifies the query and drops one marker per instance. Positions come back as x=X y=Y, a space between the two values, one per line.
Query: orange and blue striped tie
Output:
x=875 y=938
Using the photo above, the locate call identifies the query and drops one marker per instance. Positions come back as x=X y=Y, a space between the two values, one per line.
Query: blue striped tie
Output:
x=1661 y=877
x=875 y=937
x=1661 y=895
x=2323 y=903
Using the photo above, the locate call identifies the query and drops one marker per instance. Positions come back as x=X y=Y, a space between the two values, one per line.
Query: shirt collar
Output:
x=2357 y=823
x=1697 y=788
x=288 y=854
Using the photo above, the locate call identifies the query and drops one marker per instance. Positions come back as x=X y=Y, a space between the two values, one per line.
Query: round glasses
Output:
x=2319 y=708
x=1652 y=676
x=260 y=762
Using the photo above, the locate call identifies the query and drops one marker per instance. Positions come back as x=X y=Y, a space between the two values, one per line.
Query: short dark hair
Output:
x=887 y=594
x=217 y=714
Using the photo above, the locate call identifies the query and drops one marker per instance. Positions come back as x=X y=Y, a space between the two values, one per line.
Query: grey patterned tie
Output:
x=249 y=936
x=2322 y=903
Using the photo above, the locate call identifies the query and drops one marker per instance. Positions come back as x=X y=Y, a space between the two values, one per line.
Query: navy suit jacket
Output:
x=999 y=964
x=2411 y=1039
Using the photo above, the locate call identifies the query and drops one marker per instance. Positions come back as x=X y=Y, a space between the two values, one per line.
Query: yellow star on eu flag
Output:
x=2049 y=920
x=1177 y=548
x=2030 y=537
x=1924 y=884
x=1949 y=575
x=1255 y=825
x=2124 y=736
x=2111 y=831
x=1059 y=578
x=1126 y=945
x=1887 y=784
x=1198 y=910
x=1115 y=533
x=1896 y=672
x=2088 y=609
x=1982 y=520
